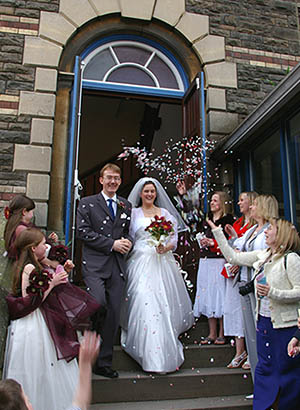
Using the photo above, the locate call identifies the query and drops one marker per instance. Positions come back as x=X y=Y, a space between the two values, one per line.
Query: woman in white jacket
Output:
x=277 y=291
x=262 y=208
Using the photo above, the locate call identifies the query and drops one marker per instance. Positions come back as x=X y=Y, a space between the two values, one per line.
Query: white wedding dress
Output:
x=156 y=307
x=30 y=359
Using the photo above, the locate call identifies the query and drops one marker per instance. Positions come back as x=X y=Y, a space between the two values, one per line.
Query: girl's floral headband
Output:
x=7 y=212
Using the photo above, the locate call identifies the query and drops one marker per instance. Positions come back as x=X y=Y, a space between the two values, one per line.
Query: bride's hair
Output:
x=143 y=186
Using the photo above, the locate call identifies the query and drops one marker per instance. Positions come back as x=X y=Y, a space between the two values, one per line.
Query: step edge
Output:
x=181 y=404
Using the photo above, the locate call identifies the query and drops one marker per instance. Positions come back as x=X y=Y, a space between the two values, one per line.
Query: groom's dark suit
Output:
x=104 y=269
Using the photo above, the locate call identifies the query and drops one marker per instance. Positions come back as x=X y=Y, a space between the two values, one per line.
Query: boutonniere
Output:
x=120 y=204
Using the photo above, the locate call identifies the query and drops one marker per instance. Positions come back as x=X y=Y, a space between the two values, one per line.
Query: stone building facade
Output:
x=244 y=47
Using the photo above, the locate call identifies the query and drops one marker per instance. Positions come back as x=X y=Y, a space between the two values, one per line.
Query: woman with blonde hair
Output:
x=267 y=206
x=277 y=293
x=211 y=284
x=262 y=208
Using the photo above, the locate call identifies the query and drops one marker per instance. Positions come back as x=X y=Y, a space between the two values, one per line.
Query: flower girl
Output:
x=45 y=310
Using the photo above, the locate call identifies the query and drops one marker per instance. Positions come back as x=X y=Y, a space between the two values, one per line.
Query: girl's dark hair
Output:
x=16 y=207
x=147 y=183
x=11 y=395
x=25 y=241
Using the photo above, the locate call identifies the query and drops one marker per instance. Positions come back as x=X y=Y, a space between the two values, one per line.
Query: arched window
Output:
x=135 y=65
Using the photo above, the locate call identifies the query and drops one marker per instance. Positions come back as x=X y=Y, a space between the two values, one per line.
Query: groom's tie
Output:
x=111 y=209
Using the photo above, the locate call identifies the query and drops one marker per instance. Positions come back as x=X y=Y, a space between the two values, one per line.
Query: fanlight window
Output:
x=131 y=63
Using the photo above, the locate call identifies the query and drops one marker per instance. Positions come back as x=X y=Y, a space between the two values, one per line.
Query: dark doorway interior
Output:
x=107 y=122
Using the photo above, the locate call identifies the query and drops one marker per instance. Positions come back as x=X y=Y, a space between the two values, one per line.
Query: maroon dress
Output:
x=66 y=309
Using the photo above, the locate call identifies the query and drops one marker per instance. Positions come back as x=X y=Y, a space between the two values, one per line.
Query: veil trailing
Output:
x=162 y=200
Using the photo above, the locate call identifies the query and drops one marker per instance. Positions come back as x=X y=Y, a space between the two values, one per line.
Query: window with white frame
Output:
x=125 y=62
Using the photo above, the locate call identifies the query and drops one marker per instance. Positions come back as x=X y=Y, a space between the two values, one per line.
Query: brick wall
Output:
x=17 y=19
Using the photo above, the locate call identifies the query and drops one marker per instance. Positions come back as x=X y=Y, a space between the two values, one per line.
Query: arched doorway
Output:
x=87 y=42
x=131 y=92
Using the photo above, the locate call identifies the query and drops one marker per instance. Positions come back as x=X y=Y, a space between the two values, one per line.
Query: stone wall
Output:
x=18 y=18
x=261 y=37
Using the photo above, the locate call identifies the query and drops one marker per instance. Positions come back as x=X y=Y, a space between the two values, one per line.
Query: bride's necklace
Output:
x=150 y=212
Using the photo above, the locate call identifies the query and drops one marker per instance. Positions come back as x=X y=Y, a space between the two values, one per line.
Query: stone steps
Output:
x=203 y=382
x=132 y=386
x=203 y=403
x=195 y=357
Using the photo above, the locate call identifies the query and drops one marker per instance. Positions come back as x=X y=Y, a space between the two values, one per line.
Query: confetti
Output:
x=177 y=161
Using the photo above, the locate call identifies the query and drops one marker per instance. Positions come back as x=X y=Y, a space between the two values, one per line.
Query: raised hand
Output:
x=88 y=353
x=181 y=188
x=68 y=265
x=89 y=348
x=206 y=242
x=53 y=236
x=230 y=231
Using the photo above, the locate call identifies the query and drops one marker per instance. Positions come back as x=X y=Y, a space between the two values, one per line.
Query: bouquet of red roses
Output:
x=38 y=282
x=160 y=230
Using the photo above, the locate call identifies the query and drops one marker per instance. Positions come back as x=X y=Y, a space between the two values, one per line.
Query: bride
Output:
x=156 y=308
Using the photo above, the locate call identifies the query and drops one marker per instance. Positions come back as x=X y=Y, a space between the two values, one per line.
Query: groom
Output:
x=103 y=227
